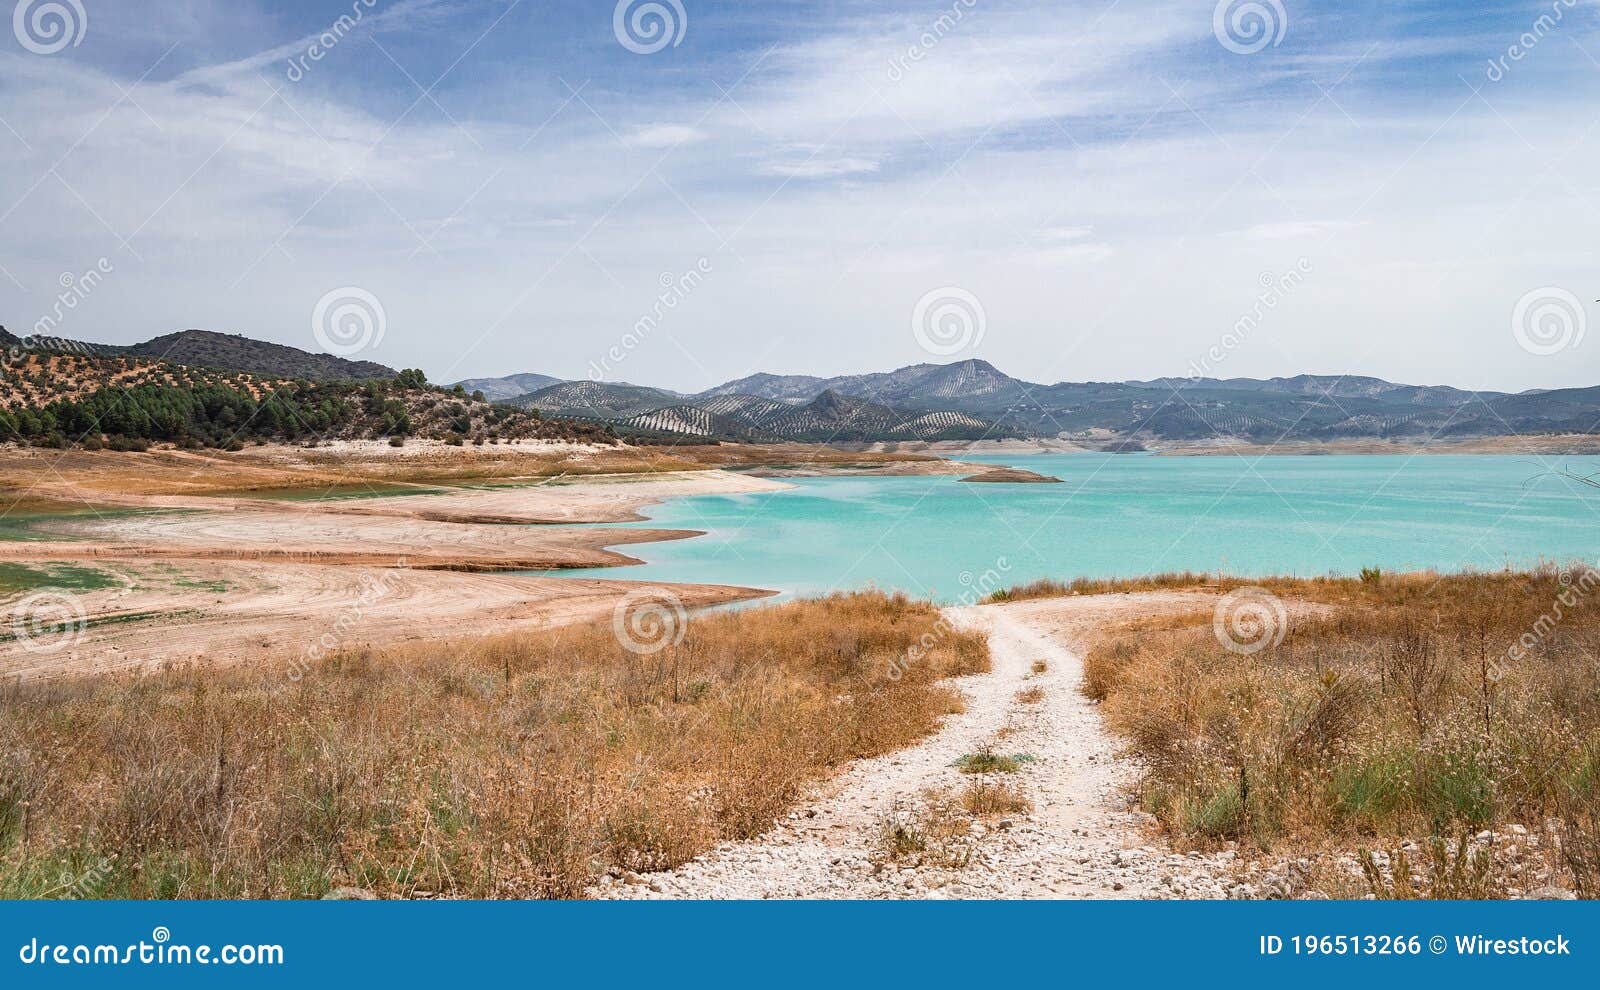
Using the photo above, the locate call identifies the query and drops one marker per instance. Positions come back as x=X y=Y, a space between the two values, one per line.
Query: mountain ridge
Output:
x=974 y=394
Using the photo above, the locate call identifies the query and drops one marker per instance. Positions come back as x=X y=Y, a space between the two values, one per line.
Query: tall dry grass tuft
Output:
x=1394 y=707
x=523 y=766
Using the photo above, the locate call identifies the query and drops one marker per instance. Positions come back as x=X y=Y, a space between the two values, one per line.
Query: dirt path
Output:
x=1081 y=840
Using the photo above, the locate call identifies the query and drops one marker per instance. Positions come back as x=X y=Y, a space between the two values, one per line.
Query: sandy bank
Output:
x=241 y=580
x=1012 y=476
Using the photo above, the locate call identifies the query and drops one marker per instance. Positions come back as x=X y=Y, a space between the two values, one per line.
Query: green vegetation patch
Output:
x=326 y=493
x=987 y=761
x=68 y=577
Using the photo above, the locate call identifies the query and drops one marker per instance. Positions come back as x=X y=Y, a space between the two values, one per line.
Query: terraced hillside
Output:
x=830 y=417
x=57 y=400
x=596 y=400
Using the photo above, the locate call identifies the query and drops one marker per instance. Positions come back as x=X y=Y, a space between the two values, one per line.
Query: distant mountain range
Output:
x=827 y=415
x=967 y=400
x=973 y=399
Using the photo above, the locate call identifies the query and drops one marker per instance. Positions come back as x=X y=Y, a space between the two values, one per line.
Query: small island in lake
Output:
x=1013 y=476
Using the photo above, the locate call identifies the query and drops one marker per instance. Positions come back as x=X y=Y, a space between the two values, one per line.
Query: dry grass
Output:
x=1322 y=589
x=984 y=798
x=1050 y=588
x=517 y=767
x=1391 y=712
x=932 y=833
x=1031 y=696
x=986 y=760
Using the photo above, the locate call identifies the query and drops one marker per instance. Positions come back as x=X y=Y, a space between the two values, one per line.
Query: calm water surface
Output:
x=1127 y=515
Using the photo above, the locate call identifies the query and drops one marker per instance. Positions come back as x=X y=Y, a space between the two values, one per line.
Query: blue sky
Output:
x=1115 y=183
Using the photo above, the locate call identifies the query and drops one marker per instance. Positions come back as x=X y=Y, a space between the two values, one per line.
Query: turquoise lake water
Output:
x=1128 y=515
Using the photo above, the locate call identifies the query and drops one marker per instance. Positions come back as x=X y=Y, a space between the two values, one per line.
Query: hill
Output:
x=218 y=351
x=597 y=400
x=231 y=352
x=509 y=387
x=128 y=402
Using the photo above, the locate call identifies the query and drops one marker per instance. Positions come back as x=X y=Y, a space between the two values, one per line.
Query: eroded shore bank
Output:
x=129 y=562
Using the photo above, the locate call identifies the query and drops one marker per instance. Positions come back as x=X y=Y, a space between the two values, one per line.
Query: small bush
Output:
x=983 y=798
x=988 y=761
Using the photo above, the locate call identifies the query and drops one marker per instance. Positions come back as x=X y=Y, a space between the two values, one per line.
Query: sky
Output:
x=683 y=192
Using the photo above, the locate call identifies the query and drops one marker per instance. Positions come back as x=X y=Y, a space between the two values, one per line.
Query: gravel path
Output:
x=1081 y=840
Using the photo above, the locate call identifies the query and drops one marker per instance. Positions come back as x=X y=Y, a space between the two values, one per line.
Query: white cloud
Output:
x=665 y=136
x=819 y=167
x=1296 y=230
